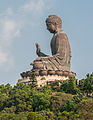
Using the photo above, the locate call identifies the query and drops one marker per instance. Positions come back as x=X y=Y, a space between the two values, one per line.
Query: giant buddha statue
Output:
x=51 y=68
x=60 y=48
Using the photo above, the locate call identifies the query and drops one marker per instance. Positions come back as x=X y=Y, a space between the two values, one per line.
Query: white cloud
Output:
x=9 y=11
x=3 y=58
x=11 y=23
x=35 y=6
x=9 y=29
x=6 y=60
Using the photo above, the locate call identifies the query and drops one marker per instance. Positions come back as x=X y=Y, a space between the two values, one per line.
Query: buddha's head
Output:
x=54 y=23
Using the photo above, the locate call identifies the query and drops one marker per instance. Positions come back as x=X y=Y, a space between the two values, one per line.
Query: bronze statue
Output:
x=60 y=48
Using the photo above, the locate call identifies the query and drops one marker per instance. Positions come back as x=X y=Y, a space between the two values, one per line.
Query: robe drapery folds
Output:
x=61 y=53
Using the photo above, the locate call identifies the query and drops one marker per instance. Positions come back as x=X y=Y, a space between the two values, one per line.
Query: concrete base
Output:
x=42 y=80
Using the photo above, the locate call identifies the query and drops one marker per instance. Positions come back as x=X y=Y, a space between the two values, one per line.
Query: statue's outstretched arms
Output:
x=38 y=51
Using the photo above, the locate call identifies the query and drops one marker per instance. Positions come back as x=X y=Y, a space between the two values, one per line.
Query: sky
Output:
x=22 y=24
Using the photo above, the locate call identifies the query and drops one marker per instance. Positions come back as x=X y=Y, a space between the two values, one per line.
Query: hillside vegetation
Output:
x=69 y=101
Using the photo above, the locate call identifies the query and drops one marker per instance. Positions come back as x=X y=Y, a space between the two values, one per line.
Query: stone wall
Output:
x=42 y=80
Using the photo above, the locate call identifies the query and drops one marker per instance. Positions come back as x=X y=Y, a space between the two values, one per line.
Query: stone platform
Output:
x=44 y=76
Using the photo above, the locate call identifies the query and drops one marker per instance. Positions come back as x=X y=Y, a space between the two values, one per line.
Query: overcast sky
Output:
x=22 y=23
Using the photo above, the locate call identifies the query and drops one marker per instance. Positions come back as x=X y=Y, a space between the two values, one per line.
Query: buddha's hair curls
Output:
x=54 y=20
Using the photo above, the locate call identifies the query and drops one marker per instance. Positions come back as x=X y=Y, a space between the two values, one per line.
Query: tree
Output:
x=69 y=86
x=69 y=106
x=88 y=84
x=33 y=80
x=35 y=116
x=58 y=101
x=40 y=101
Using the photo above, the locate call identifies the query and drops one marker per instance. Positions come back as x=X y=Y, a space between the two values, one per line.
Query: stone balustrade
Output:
x=46 y=73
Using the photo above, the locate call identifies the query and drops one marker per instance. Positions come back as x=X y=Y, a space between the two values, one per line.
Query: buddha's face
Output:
x=51 y=27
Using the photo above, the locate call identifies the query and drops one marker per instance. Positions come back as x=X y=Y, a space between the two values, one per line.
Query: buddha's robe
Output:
x=61 y=53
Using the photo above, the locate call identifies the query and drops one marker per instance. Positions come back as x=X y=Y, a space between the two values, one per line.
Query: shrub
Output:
x=58 y=101
x=35 y=116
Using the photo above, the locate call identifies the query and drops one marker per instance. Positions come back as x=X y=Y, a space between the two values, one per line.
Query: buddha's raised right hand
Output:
x=38 y=47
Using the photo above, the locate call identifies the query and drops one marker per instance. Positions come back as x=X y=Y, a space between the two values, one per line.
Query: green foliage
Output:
x=33 y=80
x=78 y=97
x=51 y=102
x=12 y=116
x=9 y=110
x=86 y=105
x=40 y=101
x=35 y=116
x=69 y=86
x=85 y=109
x=54 y=84
x=86 y=85
x=46 y=89
x=58 y=100
x=43 y=78
x=69 y=106
x=68 y=116
x=48 y=115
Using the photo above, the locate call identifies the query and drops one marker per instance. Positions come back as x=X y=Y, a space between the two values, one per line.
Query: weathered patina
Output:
x=60 y=48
